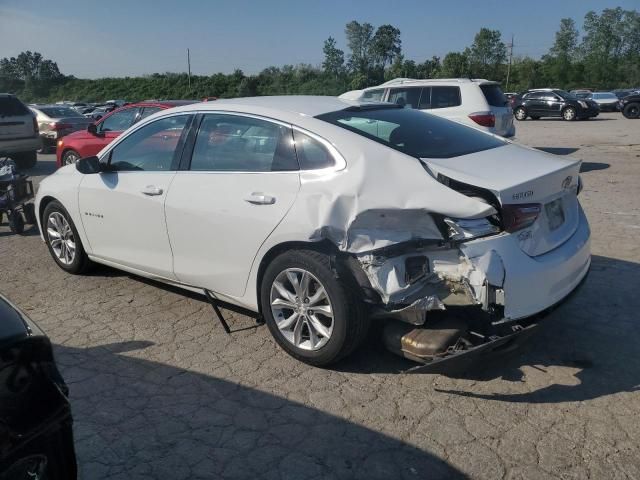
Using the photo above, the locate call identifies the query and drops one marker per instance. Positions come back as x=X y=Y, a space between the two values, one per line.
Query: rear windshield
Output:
x=59 y=112
x=10 y=106
x=494 y=95
x=413 y=132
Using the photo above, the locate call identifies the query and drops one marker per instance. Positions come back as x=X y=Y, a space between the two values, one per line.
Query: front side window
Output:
x=233 y=143
x=409 y=97
x=444 y=97
x=152 y=148
x=413 y=132
x=373 y=95
x=146 y=111
x=118 y=121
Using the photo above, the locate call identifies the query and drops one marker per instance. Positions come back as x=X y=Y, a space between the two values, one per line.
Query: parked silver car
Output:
x=56 y=121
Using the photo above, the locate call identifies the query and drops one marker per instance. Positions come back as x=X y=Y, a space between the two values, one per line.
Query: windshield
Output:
x=59 y=112
x=605 y=96
x=566 y=95
x=413 y=132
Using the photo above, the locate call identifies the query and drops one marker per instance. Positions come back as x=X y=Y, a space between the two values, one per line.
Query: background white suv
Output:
x=19 y=135
x=474 y=102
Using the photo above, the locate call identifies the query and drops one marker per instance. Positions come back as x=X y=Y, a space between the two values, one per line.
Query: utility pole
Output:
x=509 y=67
x=189 y=68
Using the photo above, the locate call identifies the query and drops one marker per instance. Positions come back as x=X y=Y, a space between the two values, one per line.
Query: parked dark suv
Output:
x=553 y=103
x=630 y=105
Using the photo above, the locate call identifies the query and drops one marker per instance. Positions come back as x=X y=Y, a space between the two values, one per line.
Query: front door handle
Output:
x=259 y=198
x=151 y=190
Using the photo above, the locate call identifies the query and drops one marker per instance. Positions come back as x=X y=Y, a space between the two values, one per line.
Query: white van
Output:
x=475 y=102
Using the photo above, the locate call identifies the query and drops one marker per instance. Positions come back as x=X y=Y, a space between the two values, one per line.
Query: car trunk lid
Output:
x=521 y=177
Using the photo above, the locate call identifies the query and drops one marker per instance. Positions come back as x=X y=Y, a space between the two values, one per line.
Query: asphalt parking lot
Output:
x=159 y=391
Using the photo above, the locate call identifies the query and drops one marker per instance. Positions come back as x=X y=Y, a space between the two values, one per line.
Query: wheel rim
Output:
x=520 y=114
x=70 y=158
x=61 y=238
x=302 y=309
x=633 y=111
x=569 y=114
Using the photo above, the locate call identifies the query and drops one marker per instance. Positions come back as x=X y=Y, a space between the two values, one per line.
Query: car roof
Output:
x=161 y=103
x=429 y=81
x=285 y=105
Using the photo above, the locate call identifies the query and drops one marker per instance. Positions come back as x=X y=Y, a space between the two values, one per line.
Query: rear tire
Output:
x=535 y=118
x=349 y=323
x=62 y=239
x=29 y=210
x=632 y=110
x=520 y=113
x=26 y=160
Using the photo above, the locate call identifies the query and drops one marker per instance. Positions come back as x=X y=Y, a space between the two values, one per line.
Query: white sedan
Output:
x=320 y=214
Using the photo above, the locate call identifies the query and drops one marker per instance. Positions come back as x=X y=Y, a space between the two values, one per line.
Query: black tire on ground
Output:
x=632 y=110
x=16 y=222
x=350 y=319
x=25 y=160
x=569 y=114
x=30 y=213
x=520 y=113
x=69 y=157
x=81 y=262
x=535 y=118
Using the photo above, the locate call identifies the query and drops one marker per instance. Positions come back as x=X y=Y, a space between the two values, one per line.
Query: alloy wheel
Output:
x=521 y=114
x=569 y=114
x=302 y=309
x=61 y=238
x=70 y=158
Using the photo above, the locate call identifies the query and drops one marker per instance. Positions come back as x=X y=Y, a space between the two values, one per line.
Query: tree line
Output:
x=604 y=55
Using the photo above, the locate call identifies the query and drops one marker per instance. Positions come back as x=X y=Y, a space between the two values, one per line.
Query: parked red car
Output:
x=89 y=142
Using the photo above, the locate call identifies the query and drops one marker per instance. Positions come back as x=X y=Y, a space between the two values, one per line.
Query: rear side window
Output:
x=409 y=97
x=233 y=143
x=312 y=155
x=146 y=111
x=494 y=95
x=11 y=106
x=425 y=99
x=444 y=97
x=413 y=132
x=373 y=95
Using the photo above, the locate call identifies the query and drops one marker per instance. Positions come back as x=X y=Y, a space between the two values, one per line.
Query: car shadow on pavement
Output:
x=558 y=150
x=136 y=418
x=593 y=166
x=586 y=349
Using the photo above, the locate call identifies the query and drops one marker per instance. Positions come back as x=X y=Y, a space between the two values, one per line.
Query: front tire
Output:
x=569 y=114
x=631 y=111
x=314 y=314
x=26 y=160
x=520 y=113
x=70 y=157
x=62 y=239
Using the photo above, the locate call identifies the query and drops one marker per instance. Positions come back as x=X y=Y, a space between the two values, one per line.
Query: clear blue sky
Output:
x=96 y=38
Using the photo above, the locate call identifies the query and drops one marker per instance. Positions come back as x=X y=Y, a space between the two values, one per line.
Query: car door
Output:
x=241 y=179
x=553 y=104
x=108 y=129
x=122 y=208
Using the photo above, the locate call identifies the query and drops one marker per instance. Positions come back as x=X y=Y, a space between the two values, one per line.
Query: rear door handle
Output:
x=151 y=190
x=258 y=198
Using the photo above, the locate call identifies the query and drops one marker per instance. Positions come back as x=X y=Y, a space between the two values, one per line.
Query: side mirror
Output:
x=89 y=165
x=92 y=129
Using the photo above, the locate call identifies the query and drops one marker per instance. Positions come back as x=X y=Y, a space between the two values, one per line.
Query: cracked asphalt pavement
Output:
x=159 y=391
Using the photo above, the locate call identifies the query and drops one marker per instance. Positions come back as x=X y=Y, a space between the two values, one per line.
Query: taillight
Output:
x=486 y=119
x=60 y=126
x=519 y=216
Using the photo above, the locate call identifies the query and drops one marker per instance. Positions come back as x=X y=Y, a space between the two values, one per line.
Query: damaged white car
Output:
x=321 y=215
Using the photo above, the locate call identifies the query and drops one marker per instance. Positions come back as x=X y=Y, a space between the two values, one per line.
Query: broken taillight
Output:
x=519 y=216
x=486 y=119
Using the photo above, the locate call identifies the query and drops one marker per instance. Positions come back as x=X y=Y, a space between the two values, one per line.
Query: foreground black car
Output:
x=553 y=103
x=36 y=437
x=630 y=106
